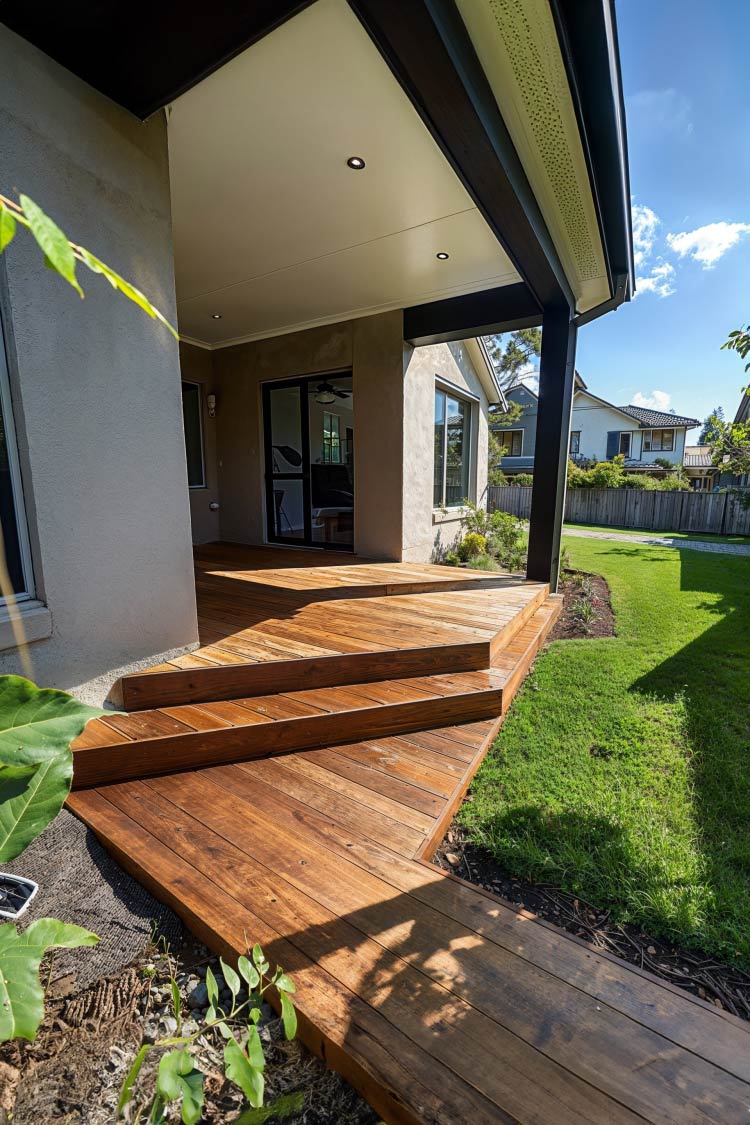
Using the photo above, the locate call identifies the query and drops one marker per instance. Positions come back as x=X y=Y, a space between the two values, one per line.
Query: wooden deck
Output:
x=438 y=1001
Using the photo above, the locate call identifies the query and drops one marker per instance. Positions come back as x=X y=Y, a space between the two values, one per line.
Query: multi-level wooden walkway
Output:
x=301 y=812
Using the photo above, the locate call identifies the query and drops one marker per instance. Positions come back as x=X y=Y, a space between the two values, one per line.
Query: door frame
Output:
x=304 y=474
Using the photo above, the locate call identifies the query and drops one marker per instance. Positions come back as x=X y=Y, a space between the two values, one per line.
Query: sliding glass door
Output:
x=309 y=453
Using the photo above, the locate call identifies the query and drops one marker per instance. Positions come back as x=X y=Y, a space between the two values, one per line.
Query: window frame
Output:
x=204 y=484
x=661 y=448
x=629 y=435
x=511 y=434
x=328 y=443
x=16 y=480
x=577 y=435
x=447 y=390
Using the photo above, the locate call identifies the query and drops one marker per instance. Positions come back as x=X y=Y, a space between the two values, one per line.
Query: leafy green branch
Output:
x=62 y=255
x=179 y=1079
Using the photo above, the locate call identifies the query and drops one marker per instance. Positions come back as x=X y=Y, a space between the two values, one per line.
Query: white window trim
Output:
x=472 y=401
x=629 y=435
x=661 y=430
x=22 y=526
x=204 y=485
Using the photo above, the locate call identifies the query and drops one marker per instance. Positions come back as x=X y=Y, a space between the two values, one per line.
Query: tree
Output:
x=708 y=425
x=510 y=355
x=730 y=441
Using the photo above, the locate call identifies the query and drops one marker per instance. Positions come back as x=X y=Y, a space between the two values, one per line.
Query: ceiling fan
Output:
x=325 y=393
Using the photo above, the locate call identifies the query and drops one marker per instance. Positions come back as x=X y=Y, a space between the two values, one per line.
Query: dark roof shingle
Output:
x=648 y=418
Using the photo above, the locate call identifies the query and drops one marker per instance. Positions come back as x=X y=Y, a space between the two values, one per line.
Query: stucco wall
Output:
x=428 y=532
x=196 y=365
x=95 y=383
x=393 y=394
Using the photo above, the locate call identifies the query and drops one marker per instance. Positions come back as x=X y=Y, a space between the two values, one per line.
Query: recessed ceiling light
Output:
x=356 y=162
x=442 y=256
x=215 y=316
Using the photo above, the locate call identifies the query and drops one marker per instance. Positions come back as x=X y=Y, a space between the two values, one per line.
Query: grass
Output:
x=622 y=772
x=703 y=537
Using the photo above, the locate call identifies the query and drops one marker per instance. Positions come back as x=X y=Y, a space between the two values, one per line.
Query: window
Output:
x=575 y=441
x=12 y=514
x=624 y=446
x=510 y=443
x=655 y=441
x=193 y=423
x=331 y=439
x=452 y=427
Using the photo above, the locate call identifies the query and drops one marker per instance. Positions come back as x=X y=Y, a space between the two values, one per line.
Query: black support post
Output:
x=556 y=377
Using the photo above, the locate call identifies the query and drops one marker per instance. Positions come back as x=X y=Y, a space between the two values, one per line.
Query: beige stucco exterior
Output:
x=393 y=396
x=95 y=384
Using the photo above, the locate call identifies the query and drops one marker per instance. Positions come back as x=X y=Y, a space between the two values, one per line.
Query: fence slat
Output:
x=716 y=512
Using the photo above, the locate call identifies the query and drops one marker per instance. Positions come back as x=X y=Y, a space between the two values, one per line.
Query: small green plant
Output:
x=471 y=545
x=663 y=462
x=37 y=726
x=585 y=612
x=178 y=1079
x=450 y=558
x=564 y=559
x=523 y=479
x=482 y=562
x=496 y=477
x=671 y=483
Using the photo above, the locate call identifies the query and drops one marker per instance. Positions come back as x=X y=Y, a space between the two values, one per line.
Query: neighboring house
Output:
x=700 y=468
x=331 y=207
x=598 y=432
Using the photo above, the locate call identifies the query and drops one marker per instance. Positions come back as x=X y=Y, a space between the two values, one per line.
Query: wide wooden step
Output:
x=165 y=739
x=332 y=643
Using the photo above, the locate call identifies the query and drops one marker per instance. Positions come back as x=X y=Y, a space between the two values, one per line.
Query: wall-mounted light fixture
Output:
x=211 y=404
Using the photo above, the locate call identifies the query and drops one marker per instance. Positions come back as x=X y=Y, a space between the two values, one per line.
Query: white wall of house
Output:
x=595 y=420
x=95 y=384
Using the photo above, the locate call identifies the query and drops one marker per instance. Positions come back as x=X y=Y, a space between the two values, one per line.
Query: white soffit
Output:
x=517 y=45
x=271 y=228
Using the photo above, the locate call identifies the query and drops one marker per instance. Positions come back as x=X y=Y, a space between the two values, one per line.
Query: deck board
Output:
x=439 y=1001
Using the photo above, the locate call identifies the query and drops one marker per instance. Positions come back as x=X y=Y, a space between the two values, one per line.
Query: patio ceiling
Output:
x=272 y=229
x=491 y=130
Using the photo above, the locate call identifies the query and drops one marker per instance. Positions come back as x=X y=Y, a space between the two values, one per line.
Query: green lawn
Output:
x=703 y=537
x=622 y=772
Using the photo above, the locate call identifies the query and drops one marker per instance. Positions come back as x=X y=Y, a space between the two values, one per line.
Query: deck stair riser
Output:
x=190 y=736
x=242 y=679
x=196 y=748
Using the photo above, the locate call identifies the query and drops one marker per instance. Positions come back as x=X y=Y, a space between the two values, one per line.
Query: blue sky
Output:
x=686 y=73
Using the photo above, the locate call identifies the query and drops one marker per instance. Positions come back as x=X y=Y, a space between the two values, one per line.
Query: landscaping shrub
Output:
x=482 y=562
x=663 y=462
x=496 y=476
x=502 y=532
x=450 y=558
x=523 y=479
x=641 y=482
x=471 y=545
x=672 y=483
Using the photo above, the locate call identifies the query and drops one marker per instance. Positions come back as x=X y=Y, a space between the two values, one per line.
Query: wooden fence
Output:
x=718 y=512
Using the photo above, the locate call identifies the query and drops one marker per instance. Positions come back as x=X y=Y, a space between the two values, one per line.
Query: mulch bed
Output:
x=726 y=986
x=567 y=627
x=73 y=1073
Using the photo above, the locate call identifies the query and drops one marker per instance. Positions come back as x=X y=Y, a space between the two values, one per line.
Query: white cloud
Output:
x=645 y=224
x=652 y=113
x=657 y=400
x=659 y=280
x=707 y=244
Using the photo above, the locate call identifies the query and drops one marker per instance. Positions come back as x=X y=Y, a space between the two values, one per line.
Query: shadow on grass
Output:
x=711 y=675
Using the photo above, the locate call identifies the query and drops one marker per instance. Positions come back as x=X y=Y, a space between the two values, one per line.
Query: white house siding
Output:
x=595 y=421
x=95 y=383
x=428 y=532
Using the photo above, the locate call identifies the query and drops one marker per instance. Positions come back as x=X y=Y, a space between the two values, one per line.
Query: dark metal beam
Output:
x=474 y=314
x=556 y=384
x=143 y=55
x=428 y=48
